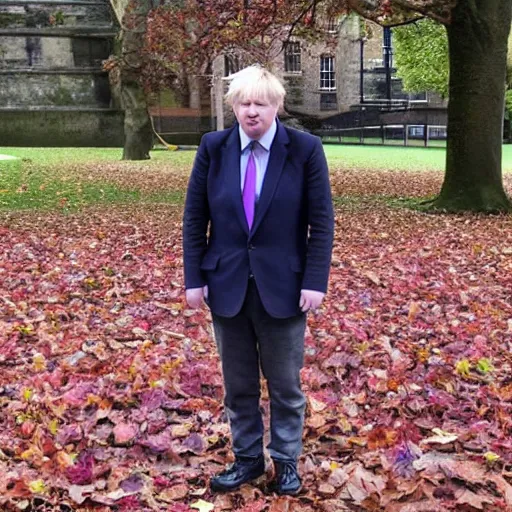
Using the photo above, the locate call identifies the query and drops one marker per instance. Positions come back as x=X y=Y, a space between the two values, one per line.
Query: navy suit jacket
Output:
x=290 y=243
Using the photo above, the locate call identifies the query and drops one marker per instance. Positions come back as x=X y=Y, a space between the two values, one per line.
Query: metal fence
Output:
x=391 y=134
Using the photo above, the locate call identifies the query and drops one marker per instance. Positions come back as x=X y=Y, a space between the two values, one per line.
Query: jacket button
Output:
x=250 y=247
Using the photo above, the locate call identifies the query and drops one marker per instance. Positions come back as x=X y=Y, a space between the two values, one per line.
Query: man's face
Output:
x=255 y=116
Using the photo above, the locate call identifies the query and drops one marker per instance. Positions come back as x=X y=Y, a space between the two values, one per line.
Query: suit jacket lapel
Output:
x=231 y=166
x=277 y=158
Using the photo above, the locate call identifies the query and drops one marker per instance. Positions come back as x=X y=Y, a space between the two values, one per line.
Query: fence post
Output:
x=382 y=134
x=425 y=134
x=406 y=134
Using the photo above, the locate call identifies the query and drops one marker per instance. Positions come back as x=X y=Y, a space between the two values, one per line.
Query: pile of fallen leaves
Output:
x=110 y=387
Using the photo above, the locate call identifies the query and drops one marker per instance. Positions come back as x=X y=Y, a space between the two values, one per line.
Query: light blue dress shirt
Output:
x=261 y=156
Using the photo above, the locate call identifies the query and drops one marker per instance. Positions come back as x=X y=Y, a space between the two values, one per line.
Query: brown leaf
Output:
x=478 y=501
x=177 y=492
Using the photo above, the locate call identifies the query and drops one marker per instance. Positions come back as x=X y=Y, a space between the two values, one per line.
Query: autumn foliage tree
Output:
x=186 y=36
x=183 y=38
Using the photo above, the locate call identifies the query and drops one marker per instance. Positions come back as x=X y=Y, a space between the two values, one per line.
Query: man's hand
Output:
x=310 y=299
x=195 y=296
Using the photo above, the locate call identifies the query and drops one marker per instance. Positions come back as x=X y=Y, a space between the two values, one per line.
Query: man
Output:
x=257 y=237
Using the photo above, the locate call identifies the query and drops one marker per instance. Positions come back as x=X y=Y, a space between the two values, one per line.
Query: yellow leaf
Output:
x=30 y=453
x=203 y=506
x=39 y=362
x=25 y=329
x=491 y=457
x=463 y=367
x=334 y=465
x=27 y=394
x=21 y=418
x=64 y=460
x=358 y=441
x=213 y=439
x=53 y=426
x=170 y=366
x=37 y=486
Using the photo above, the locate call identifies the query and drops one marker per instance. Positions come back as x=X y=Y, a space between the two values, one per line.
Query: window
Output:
x=231 y=64
x=292 y=57
x=327 y=73
x=328 y=101
x=332 y=25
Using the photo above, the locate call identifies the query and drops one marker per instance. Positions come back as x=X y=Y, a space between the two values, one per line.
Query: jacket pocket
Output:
x=210 y=262
x=296 y=264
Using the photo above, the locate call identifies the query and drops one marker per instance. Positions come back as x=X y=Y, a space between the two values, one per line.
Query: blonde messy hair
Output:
x=254 y=82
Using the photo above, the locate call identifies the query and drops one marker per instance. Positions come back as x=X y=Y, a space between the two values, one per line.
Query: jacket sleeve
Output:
x=196 y=219
x=320 y=220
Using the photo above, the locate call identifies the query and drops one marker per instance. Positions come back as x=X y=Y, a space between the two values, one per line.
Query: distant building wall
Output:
x=54 y=128
x=53 y=89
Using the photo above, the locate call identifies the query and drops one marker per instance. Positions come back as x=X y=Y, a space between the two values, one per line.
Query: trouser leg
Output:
x=281 y=349
x=237 y=346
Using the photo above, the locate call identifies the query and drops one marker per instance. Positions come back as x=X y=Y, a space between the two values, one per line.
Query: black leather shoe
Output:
x=243 y=470
x=287 y=478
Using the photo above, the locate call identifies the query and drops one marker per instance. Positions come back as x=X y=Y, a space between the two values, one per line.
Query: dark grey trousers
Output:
x=246 y=342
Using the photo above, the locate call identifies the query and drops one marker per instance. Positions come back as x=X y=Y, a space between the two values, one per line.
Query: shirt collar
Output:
x=265 y=140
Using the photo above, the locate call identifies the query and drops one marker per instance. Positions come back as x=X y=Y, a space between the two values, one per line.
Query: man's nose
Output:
x=252 y=110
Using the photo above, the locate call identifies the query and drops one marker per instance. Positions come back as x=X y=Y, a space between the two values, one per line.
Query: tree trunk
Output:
x=478 y=56
x=137 y=124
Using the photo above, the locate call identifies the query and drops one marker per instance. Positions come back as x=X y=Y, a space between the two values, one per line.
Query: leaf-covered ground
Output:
x=110 y=387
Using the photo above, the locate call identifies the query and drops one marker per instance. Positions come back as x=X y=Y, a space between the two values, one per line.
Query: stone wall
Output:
x=62 y=128
x=303 y=89
x=55 y=90
x=51 y=55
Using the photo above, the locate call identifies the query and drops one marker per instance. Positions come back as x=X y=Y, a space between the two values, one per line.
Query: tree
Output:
x=137 y=123
x=186 y=36
x=421 y=56
x=125 y=72
x=477 y=39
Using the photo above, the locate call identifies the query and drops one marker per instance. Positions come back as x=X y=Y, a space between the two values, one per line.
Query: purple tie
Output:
x=249 y=192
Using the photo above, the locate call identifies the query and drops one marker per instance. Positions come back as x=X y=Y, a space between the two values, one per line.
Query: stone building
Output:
x=321 y=78
x=53 y=90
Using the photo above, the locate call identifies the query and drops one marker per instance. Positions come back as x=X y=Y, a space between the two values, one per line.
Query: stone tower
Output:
x=53 y=90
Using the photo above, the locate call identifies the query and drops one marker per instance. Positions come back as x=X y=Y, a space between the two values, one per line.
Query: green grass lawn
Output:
x=68 y=178
x=356 y=156
x=396 y=158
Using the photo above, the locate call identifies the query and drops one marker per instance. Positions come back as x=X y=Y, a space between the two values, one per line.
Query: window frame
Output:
x=327 y=73
x=292 y=57
x=332 y=25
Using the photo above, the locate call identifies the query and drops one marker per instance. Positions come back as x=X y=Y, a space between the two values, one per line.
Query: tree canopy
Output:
x=421 y=56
